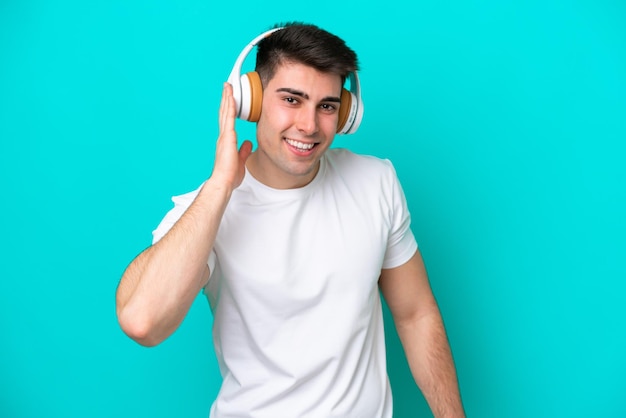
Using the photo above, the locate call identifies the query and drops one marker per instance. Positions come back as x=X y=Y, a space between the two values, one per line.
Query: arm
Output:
x=160 y=284
x=420 y=327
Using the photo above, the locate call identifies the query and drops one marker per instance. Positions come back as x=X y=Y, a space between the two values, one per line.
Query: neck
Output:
x=279 y=178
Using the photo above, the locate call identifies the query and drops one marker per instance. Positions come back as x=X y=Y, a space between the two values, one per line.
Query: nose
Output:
x=306 y=120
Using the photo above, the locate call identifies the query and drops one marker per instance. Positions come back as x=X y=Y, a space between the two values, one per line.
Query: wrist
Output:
x=217 y=188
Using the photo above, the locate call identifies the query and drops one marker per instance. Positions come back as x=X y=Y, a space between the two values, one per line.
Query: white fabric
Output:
x=298 y=328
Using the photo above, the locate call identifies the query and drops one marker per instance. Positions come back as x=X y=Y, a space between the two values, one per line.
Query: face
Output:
x=297 y=125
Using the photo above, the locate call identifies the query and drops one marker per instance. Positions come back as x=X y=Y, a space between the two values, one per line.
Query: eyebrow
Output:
x=306 y=96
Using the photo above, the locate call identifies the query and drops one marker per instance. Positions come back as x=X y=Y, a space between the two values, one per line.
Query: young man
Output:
x=291 y=244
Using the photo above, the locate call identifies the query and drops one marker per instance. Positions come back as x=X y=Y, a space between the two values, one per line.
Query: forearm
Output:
x=430 y=360
x=159 y=286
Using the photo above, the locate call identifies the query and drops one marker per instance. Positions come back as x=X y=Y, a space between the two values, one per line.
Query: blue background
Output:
x=505 y=121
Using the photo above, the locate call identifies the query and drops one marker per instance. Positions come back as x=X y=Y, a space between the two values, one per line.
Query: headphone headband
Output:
x=235 y=75
x=248 y=92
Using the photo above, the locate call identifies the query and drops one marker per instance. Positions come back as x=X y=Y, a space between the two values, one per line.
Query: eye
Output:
x=327 y=107
x=290 y=100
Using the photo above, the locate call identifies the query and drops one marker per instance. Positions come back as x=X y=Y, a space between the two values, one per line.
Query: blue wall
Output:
x=506 y=123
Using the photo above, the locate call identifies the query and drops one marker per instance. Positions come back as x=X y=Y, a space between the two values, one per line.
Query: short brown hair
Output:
x=304 y=44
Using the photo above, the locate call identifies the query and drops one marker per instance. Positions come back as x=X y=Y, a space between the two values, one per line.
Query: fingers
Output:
x=227 y=109
x=222 y=107
x=229 y=165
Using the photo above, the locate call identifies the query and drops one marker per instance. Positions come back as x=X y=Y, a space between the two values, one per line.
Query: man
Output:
x=291 y=244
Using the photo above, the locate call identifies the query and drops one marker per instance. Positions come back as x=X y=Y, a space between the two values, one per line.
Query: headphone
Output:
x=248 y=93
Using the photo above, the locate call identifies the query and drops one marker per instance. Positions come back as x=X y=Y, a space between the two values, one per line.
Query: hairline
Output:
x=286 y=61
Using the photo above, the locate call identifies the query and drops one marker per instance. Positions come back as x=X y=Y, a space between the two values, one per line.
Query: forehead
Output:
x=305 y=78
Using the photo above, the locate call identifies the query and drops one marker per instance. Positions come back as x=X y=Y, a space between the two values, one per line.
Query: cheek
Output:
x=328 y=124
x=273 y=119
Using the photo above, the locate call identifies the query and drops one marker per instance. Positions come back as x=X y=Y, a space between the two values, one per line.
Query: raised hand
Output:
x=229 y=167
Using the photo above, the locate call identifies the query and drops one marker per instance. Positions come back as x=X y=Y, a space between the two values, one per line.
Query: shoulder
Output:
x=359 y=168
x=184 y=200
x=344 y=160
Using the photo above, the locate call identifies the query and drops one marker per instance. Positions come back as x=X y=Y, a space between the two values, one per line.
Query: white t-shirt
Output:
x=298 y=328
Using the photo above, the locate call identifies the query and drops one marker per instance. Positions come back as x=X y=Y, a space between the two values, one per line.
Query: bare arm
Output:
x=160 y=284
x=420 y=327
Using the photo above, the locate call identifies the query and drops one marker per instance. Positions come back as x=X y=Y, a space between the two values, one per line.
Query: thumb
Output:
x=245 y=150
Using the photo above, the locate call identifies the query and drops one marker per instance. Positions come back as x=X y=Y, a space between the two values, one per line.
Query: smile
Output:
x=301 y=146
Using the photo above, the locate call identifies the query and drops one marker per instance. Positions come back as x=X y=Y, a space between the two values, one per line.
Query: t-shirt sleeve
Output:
x=401 y=244
x=181 y=203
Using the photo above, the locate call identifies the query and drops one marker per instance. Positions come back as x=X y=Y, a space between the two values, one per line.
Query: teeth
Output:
x=299 y=145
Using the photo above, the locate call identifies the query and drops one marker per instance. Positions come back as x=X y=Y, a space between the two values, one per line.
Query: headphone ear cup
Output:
x=251 y=97
x=347 y=108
